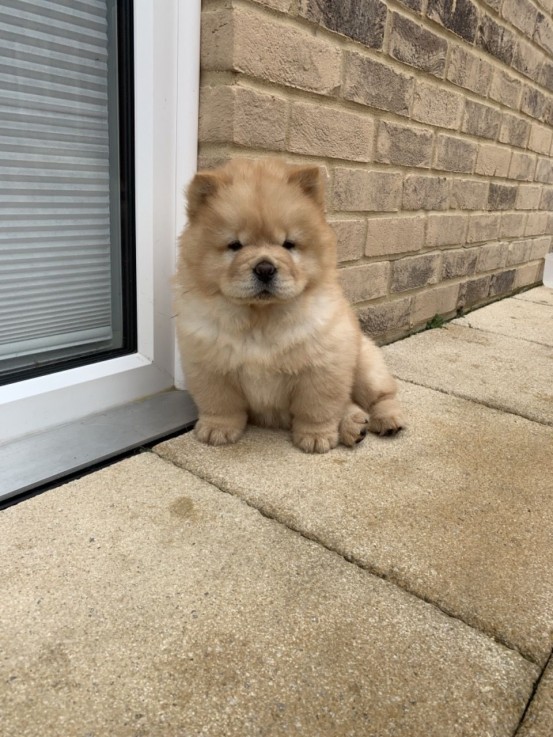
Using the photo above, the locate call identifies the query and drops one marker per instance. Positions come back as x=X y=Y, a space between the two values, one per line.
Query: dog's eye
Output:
x=235 y=246
x=289 y=245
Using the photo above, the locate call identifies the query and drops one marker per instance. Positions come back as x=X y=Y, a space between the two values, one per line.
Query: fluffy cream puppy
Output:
x=265 y=332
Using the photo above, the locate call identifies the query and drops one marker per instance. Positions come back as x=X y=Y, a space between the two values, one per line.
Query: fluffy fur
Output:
x=265 y=332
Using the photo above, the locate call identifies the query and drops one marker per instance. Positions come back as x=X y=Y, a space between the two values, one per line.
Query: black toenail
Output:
x=363 y=433
x=359 y=440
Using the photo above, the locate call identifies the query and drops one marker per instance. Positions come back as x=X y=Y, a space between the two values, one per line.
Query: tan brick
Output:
x=540 y=247
x=460 y=17
x=455 y=154
x=545 y=77
x=537 y=223
x=385 y=318
x=413 y=44
x=473 y=291
x=544 y=170
x=436 y=301
x=425 y=193
x=246 y=41
x=212 y=160
x=546 y=201
x=534 y=102
x=528 y=274
x=361 y=22
x=282 y=5
x=459 y=262
x=371 y=83
x=469 y=70
x=386 y=236
x=505 y=89
x=481 y=120
x=403 y=145
x=351 y=236
x=544 y=32
x=522 y=166
x=469 y=194
x=322 y=131
x=483 y=228
x=414 y=272
x=436 y=106
x=502 y=196
x=514 y=130
x=259 y=119
x=502 y=282
x=496 y=39
x=528 y=197
x=446 y=230
x=519 y=252
x=521 y=13
x=368 y=281
x=216 y=120
x=492 y=256
x=358 y=189
x=244 y=116
x=218 y=27
x=493 y=160
x=512 y=224
x=546 y=4
x=540 y=139
x=527 y=59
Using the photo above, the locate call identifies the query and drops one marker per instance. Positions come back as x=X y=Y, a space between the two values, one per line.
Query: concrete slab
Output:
x=515 y=318
x=457 y=510
x=538 y=721
x=140 y=601
x=541 y=295
x=501 y=372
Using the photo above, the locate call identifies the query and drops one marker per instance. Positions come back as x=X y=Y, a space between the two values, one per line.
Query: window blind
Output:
x=56 y=234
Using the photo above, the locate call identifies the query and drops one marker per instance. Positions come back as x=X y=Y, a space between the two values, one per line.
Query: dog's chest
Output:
x=264 y=388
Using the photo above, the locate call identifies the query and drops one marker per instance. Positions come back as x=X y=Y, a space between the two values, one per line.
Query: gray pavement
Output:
x=403 y=588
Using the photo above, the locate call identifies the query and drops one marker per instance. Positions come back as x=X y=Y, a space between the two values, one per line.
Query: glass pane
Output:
x=60 y=225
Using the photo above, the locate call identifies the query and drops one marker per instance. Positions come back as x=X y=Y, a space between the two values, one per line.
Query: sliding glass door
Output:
x=67 y=265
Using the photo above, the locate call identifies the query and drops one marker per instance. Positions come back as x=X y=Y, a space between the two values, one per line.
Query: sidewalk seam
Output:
x=351 y=559
x=533 y=693
x=503 y=335
x=465 y=398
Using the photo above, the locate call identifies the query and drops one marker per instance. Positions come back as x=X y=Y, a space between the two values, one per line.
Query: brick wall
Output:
x=432 y=119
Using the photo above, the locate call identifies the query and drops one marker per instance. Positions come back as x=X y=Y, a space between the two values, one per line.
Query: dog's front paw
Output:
x=386 y=417
x=315 y=442
x=217 y=432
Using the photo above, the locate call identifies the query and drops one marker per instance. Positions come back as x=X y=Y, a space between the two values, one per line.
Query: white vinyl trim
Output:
x=166 y=38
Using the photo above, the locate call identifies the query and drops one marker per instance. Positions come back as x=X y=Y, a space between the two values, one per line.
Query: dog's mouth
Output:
x=265 y=294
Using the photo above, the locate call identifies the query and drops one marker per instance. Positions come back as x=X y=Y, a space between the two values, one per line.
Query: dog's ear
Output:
x=310 y=181
x=204 y=185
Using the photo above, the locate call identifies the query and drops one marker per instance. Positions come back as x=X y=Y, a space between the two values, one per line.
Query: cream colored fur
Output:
x=284 y=353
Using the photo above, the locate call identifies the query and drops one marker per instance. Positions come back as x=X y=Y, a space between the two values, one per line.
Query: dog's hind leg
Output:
x=375 y=390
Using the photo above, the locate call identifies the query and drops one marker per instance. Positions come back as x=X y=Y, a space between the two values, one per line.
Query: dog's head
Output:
x=257 y=232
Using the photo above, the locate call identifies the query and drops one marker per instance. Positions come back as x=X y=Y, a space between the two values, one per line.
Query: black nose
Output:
x=264 y=271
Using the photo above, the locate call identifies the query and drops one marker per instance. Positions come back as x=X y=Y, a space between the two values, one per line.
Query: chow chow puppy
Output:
x=265 y=332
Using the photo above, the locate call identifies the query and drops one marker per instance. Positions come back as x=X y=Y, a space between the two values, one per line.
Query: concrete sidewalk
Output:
x=403 y=588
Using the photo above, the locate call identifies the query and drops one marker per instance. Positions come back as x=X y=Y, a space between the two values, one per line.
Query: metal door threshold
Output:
x=35 y=460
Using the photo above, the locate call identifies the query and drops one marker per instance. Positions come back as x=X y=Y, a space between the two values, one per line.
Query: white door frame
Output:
x=166 y=75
